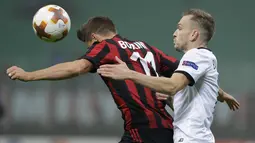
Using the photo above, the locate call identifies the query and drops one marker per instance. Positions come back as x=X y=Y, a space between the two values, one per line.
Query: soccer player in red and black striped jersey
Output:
x=145 y=117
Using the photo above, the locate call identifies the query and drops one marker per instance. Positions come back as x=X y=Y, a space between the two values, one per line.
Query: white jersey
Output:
x=194 y=105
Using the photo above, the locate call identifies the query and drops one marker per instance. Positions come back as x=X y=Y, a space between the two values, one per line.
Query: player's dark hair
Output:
x=204 y=20
x=99 y=25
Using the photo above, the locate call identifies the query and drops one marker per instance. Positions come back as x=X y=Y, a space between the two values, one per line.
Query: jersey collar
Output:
x=204 y=48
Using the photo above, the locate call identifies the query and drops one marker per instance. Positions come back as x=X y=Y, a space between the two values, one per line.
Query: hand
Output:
x=117 y=71
x=233 y=104
x=168 y=99
x=15 y=72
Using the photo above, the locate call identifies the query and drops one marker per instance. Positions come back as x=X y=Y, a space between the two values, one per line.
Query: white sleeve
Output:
x=193 y=65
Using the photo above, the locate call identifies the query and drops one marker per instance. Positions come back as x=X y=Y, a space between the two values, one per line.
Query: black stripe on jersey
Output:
x=142 y=93
x=144 y=52
x=141 y=89
x=157 y=117
x=122 y=86
x=96 y=60
x=158 y=68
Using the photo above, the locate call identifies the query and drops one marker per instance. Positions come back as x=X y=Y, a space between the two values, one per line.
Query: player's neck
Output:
x=195 y=45
x=108 y=36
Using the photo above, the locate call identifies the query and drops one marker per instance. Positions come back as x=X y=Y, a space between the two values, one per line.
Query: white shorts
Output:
x=180 y=137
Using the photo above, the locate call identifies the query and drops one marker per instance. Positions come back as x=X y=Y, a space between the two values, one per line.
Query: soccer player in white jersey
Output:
x=194 y=84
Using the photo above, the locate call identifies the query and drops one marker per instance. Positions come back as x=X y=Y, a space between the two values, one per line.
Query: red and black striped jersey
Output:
x=138 y=104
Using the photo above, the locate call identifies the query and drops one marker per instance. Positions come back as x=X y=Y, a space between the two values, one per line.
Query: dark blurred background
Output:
x=81 y=109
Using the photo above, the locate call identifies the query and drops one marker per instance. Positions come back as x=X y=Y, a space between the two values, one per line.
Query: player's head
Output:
x=96 y=29
x=195 y=28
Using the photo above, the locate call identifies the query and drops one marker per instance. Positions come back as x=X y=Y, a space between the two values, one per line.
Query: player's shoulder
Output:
x=200 y=53
x=200 y=50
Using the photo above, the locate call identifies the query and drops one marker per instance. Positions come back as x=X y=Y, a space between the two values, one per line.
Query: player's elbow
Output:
x=176 y=84
x=170 y=88
x=80 y=67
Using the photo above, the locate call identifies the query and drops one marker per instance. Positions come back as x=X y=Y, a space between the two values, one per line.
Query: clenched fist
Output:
x=17 y=73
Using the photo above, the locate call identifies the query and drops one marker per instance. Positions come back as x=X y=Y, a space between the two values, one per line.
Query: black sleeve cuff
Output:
x=189 y=77
x=95 y=66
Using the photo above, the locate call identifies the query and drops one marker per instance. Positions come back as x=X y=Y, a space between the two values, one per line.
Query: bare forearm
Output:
x=56 y=72
x=220 y=95
x=221 y=92
x=159 y=84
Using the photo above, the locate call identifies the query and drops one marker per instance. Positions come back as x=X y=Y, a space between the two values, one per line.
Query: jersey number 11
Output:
x=149 y=58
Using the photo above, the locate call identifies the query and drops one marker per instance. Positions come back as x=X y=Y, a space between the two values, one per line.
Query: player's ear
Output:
x=194 y=35
x=94 y=36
